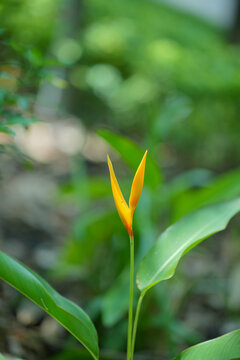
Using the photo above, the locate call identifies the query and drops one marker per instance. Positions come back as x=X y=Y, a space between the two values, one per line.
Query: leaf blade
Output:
x=72 y=317
x=132 y=155
x=225 y=347
x=222 y=188
x=160 y=262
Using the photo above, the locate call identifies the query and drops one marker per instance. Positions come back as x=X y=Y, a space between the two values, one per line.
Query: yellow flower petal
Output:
x=137 y=184
x=121 y=205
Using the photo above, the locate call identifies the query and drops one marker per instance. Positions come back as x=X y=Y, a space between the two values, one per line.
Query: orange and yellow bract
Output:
x=126 y=211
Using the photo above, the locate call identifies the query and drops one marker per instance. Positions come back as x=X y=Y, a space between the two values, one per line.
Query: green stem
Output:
x=130 y=312
x=136 y=322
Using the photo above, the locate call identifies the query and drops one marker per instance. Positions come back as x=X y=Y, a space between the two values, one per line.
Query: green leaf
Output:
x=132 y=155
x=224 y=187
x=160 y=262
x=72 y=317
x=225 y=347
x=186 y=181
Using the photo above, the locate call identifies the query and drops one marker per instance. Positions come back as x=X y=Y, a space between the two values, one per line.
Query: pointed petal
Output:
x=114 y=180
x=137 y=184
x=121 y=205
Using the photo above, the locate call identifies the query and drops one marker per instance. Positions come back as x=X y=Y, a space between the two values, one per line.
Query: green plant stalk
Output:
x=136 y=321
x=130 y=311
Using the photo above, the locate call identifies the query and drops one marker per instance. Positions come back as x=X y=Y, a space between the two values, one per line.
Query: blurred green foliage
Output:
x=20 y=73
x=29 y=22
x=147 y=69
x=150 y=70
x=85 y=249
x=155 y=77
x=171 y=82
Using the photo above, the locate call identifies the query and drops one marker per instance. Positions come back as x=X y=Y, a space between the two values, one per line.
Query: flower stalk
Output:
x=126 y=212
x=130 y=310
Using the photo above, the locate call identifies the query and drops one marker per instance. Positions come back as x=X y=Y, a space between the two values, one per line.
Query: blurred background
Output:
x=78 y=79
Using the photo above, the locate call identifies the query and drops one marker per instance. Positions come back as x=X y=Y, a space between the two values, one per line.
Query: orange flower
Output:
x=126 y=211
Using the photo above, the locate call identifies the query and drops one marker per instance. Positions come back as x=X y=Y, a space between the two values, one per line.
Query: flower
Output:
x=126 y=211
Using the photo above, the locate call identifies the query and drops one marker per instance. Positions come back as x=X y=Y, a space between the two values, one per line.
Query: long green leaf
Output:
x=160 y=262
x=225 y=347
x=72 y=317
x=224 y=187
x=132 y=155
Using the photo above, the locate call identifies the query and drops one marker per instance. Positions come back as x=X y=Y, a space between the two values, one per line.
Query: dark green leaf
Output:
x=222 y=188
x=132 y=155
x=72 y=317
